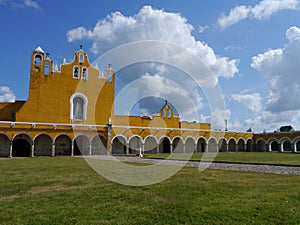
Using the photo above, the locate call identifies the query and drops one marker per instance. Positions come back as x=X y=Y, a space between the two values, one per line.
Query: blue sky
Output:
x=251 y=47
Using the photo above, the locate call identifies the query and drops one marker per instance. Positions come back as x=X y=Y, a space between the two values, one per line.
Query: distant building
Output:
x=70 y=111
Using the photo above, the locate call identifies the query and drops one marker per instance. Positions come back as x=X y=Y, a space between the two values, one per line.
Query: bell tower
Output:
x=40 y=68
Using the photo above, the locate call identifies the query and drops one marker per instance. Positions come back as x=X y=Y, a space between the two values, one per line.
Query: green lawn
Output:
x=243 y=157
x=65 y=190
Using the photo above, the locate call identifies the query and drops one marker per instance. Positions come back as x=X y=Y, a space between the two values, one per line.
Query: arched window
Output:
x=76 y=72
x=47 y=68
x=84 y=73
x=38 y=59
x=78 y=106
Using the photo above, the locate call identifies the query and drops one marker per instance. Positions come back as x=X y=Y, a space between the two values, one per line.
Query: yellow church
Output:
x=70 y=111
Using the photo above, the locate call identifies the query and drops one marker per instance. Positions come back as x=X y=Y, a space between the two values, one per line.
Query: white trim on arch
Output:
x=85 y=104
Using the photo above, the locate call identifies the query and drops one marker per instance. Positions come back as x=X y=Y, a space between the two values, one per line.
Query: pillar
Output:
x=295 y=147
x=143 y=148
x=72 y=148
x=127 y=148
x=32 y=150
x=109 y=148
x=10 y=149
x=53 y=149
x=90 y=149
x=281 y=147
x=171 y=148
x=270 y=147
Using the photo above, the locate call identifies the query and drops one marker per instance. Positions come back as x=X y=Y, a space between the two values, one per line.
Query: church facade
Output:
x=70 y=111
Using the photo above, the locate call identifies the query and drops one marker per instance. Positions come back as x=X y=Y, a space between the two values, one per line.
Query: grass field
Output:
x=65 y=190
x=244 y=157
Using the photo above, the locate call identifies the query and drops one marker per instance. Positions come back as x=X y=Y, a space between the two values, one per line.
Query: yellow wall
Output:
x=49 y=102
x=49 y=95
x=9 y=110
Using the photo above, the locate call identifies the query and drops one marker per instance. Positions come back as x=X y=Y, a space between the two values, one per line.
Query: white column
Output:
x=53 y=149
x=32 y=150
x=72 y=148
x=90 y=149
x=10 y=149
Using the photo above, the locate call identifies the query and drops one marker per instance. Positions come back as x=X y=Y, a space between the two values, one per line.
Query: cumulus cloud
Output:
x=6 y=95
x=263 y=10
x=253 y=101
x=152 y=24
x=156 y=88
x=282 y=66
x=271 y=121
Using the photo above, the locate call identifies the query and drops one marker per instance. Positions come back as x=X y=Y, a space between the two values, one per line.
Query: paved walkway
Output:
x=291 y=170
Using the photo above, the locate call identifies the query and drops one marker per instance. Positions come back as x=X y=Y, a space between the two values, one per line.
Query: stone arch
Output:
x=135 y=144
x=231 y=145
x=249 y=145
x=151 y=144
x=4 y=145
x=119 y=145
x=190 y=145
x=212 y=145
x=22 y=145
x=63 y=145
x=273 y=145
x=201 y=144
x=164 y=145
x=38 y=59
x=241 y=145
x=78 y=106
x=81 y=145
x=222 y=145
x=43 y=145
x=296 y=142
x=260 y=145
x=98 y=145
x=178 y=144
x=285 y=145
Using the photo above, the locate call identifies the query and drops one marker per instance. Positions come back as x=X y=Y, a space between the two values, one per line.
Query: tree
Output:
x=287 y=128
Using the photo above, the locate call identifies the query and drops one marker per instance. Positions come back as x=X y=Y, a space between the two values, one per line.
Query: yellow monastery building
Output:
x=70 y=111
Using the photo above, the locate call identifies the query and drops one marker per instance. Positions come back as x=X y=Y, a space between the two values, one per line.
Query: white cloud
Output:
x=236 y=14
x=19 y=5
x=218 y=118
x=152 y=24
x=201 y=29
x=263 y=10
x=293 y=33
x=282 y=66
x=251 y=101
x=31 y=4
x=270 y=121
x=157 y=87
x=6 y=95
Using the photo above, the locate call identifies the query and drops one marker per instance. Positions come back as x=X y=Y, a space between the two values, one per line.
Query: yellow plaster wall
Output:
x=49 y=96
x=8 y=109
